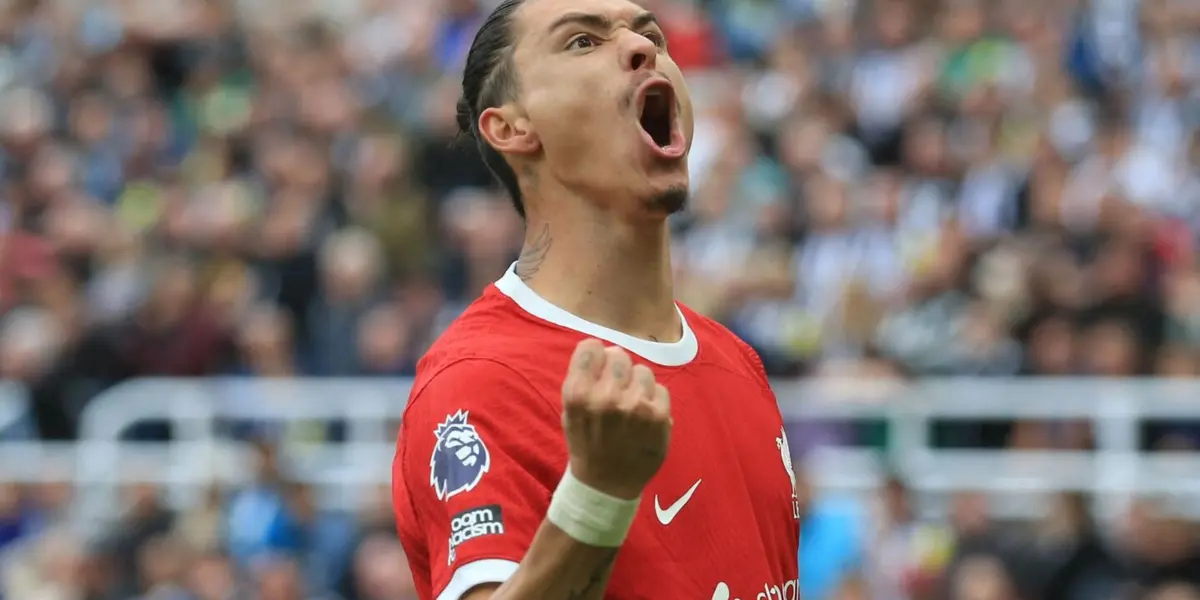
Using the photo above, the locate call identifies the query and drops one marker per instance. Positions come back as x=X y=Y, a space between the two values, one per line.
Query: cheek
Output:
x=580 y=94
x=575 y=127
x=688 y=121
x=686 y=115
x=565 y=102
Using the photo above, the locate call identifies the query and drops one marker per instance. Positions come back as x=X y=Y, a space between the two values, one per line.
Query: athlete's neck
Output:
x=608 y=272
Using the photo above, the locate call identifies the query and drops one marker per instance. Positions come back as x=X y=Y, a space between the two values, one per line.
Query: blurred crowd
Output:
x=269 y=540
x=881 y=188
x=882 y=550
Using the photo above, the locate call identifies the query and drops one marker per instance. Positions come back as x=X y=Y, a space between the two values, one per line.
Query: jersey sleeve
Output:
x=479 y=455
x=755 y=362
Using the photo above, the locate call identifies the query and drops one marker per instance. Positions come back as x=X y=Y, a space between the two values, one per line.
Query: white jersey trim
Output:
x=471 y=575
x=673 y=354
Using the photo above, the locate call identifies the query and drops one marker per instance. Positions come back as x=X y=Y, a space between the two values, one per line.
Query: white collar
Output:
x=673 y=354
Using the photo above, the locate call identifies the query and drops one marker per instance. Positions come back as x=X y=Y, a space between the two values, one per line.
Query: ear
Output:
x=508 y=131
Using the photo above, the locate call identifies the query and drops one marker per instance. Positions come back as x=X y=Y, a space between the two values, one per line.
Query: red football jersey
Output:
x=481 y=450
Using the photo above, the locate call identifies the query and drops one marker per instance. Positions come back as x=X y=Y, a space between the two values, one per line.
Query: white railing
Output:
x=14 y=410
x=99 y=464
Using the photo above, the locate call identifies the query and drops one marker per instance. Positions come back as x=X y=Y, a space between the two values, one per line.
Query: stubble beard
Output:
x=670 y=201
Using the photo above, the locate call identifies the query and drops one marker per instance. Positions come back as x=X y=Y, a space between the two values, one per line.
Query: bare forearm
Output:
x=557 y=566
x=617 y=421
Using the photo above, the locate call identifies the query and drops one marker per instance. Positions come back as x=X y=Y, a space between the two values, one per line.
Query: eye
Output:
x=582 y=41
x=658 y=38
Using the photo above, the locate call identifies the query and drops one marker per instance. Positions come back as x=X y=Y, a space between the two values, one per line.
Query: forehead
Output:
x=535 y=17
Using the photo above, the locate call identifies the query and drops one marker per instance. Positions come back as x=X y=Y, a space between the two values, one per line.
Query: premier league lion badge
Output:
x=459 y=458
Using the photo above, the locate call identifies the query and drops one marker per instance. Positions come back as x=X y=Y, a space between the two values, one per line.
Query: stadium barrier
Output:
x=15 y=420
x=201 y=455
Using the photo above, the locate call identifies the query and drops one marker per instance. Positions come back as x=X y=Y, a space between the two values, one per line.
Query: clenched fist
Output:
x=617 y=420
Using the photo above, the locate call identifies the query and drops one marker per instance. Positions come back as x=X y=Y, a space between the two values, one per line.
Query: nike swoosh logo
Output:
x=665 y=516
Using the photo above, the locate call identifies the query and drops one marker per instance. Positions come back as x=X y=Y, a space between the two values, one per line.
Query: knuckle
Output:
x=643 y=373
x=576 y=390
x=587 y=354
x=643 y=410
x=612 y=395
x=661 y=413
x=617 y=373
x=606 y=388
x=605 y=401
x=637 y=394
x=617 y=357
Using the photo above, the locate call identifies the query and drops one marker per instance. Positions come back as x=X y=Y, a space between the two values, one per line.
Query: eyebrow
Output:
x=594 y=21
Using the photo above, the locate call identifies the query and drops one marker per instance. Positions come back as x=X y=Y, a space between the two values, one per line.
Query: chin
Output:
x=668 y=200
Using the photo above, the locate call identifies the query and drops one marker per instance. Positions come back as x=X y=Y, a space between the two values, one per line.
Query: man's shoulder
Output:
x=493 y=326
x=705 y=326
x=720 y=345
x=494 y=339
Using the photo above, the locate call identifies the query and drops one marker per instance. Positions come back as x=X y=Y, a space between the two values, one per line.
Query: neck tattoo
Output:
x=533 y=254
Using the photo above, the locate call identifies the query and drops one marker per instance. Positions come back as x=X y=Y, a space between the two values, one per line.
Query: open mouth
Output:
x=657 y=113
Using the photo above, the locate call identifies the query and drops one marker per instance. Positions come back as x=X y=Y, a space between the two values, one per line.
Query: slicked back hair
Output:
x=489 y=80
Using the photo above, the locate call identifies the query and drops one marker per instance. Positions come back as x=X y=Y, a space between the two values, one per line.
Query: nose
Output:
x=638 y=52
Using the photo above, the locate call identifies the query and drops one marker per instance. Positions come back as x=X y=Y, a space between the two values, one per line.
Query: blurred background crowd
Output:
x=881 y=189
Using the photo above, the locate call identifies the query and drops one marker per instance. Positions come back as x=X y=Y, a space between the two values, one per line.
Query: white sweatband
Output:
x=590 y=516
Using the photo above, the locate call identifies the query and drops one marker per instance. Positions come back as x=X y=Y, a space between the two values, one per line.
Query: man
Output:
x=581 y=114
